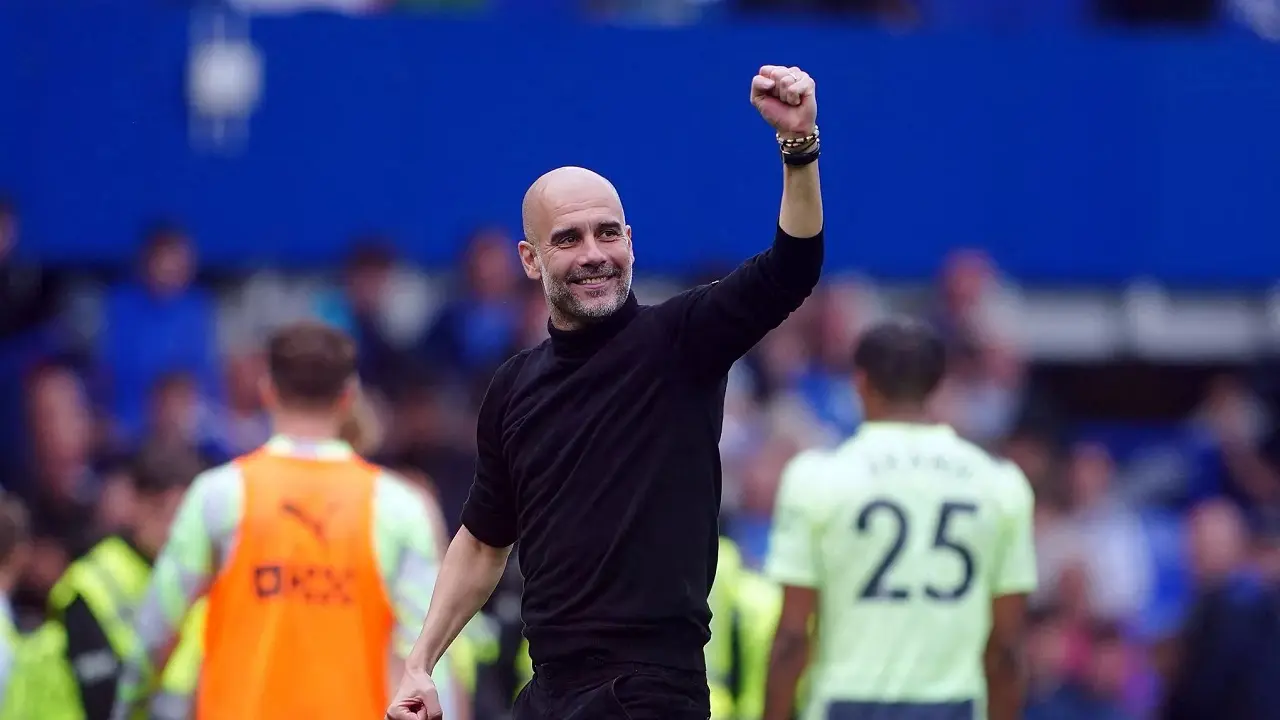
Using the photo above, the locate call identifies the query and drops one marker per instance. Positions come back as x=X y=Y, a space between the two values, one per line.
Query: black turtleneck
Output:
x=599 y=451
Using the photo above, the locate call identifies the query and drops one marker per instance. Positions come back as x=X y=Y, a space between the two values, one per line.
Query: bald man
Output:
x=598 y=450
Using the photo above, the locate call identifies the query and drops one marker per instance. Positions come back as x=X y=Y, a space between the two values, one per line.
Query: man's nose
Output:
x=592 y=253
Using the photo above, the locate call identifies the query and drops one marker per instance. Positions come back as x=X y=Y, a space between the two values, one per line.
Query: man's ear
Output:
x=529 y=259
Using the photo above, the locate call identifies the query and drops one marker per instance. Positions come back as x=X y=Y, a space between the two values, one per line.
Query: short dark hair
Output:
x=370 y=252
x=310 y=364
x=904 y=359
x=160 y=234
x=15 y=526
x=157 y=469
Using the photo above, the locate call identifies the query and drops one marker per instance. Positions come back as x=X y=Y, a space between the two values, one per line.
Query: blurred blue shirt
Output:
x=146 y=337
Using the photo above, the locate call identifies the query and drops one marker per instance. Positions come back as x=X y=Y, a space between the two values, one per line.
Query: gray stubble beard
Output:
x=563 y=303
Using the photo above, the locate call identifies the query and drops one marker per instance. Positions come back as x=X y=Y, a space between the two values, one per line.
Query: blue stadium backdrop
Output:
x=1073 y=158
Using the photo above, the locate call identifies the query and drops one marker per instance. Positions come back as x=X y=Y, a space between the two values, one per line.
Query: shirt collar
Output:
x=309 y=448
x=587 y=340
x=877 y=426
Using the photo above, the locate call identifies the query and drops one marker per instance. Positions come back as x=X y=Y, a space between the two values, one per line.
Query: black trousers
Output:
x=613 y=692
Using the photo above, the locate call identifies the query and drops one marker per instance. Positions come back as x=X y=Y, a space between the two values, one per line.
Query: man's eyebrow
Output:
x=608 y=225
x=563 y=234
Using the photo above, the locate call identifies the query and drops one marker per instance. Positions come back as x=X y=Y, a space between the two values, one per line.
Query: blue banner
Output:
x=1072 y=158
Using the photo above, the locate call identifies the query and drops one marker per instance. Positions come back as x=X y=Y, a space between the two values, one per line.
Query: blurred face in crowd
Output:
x=835 y=325
x=244 y=374
x=533 y=326
x=367 y=279
x=175 y=407
x=1032 y=455
x=762 y=472
x=169 y=264
x=420 y=416
x=1108 y=667
x=1048 y=651
x=1089 y=475
x=965 y=278
x=117 y=505
x=155 y=514
x=577 y=245
x=1217 y=541
x=60 y=416
x=8 y=231
x=490 y=272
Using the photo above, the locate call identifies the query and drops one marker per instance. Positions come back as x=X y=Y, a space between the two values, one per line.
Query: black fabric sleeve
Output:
x=720 y=322
x=490 y=511
x=93 y=661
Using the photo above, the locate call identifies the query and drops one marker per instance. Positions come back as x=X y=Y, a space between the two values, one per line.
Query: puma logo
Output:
x=312 y=524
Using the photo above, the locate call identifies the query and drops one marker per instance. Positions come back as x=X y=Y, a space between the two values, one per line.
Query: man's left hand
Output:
x=787 y=99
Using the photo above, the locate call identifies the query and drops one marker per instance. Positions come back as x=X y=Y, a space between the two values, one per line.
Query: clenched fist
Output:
x=416 y=698
x=786 y=98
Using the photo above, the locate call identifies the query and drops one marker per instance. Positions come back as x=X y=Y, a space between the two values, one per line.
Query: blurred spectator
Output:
x=15 y=552
x=983 y=393
x=1093 y=686
x=158 y=325
x=1101 y=536
x=179 y=420
x=29 y=302
x=159 y=480
x=1034 y=451
x=968 y=290
x=1218 y=543
x=427 y=439
x=1242 y=461
x=65 y=486
x=481 y=323
x=825 y=383
x=243 y=425
x=533 y=324
x=28 y=293
x=760 y=475
x=384 y=309
x=1229 y=657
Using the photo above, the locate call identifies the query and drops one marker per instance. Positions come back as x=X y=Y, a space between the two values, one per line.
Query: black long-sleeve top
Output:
x=599 y=451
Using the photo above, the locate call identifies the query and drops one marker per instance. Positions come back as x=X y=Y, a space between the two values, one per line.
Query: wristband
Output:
x=803 y=158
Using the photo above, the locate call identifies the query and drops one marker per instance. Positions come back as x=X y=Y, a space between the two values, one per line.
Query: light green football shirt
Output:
x=907 y=532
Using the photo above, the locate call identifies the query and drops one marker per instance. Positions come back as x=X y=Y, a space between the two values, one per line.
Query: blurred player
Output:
x=912 y=550
x=318 y=566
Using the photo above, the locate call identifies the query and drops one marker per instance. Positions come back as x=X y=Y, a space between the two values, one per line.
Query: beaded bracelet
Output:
x=800 y=144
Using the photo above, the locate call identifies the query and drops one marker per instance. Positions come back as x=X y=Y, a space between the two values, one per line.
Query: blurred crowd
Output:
x=100 y=367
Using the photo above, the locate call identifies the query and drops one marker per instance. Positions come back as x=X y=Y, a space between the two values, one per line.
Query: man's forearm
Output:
x=470 y=572
x=1006 y=682
x=787 y=660
x=801 y=213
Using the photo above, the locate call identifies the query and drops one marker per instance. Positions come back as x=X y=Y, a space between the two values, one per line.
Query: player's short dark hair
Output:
x=15 y=526
x=310 y=364
x=904 y=359
x=157 y=469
